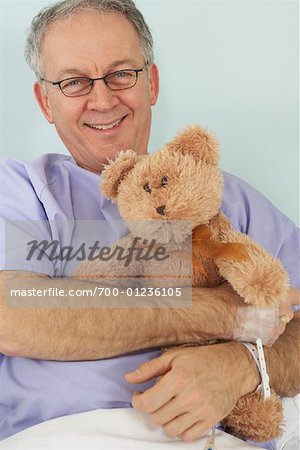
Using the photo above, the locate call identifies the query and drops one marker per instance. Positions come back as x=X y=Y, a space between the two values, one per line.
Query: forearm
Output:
x=93 y=333
x=282 y=360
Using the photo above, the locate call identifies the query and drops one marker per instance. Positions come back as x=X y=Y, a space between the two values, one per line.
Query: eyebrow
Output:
x=74 y=71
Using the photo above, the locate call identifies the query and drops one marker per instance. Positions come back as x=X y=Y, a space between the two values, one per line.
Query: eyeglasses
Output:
x=116 y=81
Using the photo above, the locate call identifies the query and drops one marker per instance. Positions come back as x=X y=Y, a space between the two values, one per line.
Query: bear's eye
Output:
x=147 y=188
x=164 y=181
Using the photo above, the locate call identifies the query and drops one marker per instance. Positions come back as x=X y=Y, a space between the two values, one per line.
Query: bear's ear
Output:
x=197 y=142
x=116 y=170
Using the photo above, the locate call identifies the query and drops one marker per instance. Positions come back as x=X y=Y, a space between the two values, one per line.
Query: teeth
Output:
x=105 y=127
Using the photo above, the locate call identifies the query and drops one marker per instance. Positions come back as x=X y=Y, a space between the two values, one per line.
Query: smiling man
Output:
x=112 y=116
x=96 y=82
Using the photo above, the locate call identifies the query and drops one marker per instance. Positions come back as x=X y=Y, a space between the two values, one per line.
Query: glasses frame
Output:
x=92 y=81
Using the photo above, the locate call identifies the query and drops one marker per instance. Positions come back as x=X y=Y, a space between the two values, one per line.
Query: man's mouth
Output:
x=98 y=126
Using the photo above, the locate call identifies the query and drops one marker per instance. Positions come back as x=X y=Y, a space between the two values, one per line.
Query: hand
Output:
x=198 y=387
x=253 y=323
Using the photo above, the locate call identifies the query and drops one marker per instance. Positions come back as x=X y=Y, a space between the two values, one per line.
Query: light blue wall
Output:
x=231 y=65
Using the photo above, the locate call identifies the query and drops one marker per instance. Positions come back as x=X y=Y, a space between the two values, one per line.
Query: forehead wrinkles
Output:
x=91 y=35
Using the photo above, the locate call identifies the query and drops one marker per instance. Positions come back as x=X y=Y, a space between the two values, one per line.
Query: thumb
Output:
x=151 y=369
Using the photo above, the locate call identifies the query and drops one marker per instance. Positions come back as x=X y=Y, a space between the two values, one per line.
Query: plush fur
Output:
x=182 y=182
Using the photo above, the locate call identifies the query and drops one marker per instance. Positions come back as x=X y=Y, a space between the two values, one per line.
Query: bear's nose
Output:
x=161 y=210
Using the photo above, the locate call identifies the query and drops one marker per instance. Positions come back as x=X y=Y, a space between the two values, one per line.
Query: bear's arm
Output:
x=260 y=279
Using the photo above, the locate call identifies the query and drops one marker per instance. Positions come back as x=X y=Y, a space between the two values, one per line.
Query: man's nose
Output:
x=101 y=97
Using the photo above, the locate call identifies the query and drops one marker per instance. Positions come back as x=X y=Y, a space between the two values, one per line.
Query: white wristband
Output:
x=259 y=358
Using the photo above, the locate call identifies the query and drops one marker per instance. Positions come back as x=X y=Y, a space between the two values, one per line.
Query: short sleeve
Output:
x=22 y=219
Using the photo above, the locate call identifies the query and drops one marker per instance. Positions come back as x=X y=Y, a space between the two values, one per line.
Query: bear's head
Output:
x=181 y=182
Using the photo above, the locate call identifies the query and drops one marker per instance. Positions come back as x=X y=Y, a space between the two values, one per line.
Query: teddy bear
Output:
x=158 y=196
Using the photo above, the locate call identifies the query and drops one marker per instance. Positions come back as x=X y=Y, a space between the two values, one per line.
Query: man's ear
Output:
x=115 y=172
x=42 y=99
x=196 y=141
x=154 y=84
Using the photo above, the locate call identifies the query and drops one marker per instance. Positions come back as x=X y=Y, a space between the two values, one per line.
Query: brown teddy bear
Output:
x=157 y=194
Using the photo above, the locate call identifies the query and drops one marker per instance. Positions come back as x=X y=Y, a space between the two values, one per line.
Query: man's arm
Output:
x=88 y=334
x=282 y=360
x=71 y=334
x=199 y=386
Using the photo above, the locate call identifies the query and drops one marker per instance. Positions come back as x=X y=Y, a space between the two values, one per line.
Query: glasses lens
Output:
x=122 y=79
x=76 y=86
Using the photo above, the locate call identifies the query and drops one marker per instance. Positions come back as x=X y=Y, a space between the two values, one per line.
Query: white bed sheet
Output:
x=112 y=429
x=127 y=429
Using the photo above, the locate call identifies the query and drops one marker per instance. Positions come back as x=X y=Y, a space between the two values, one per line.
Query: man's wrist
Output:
x=282 y=360
x=257 y=353
x=250 y=378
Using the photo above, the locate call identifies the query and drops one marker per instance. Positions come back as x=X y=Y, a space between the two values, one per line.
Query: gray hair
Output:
x=65 y=9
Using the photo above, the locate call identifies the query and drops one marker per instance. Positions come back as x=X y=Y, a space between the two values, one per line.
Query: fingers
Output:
x=151 y=369
x=200 y=387
x=196 y=431
x=166 y=391
x=167 y=412
x=186 y=426
x=177 y=420
x=159 y=394
x=154 y=397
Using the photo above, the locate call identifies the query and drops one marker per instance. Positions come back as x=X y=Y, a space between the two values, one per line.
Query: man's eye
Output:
x=147 y=188
x=73 y=83
x=121 y=74
x=164 y=181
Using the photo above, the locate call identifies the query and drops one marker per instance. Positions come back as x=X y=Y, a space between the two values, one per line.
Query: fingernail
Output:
x=134 y=372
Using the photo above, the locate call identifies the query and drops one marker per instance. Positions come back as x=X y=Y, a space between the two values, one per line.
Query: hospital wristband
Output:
x=257 y=353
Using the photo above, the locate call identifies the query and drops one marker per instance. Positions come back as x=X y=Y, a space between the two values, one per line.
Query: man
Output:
x=202 y=384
